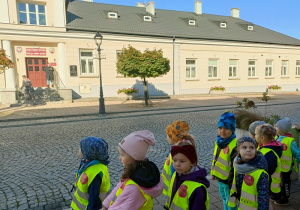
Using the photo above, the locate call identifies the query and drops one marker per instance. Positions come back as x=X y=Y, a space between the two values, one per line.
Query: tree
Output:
x=5 y=61
x=134 y=63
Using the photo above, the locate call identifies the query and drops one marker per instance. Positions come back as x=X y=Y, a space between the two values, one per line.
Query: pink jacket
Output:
x=131 y=198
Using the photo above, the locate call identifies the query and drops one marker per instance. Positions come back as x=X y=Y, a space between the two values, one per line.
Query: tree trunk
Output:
x=145 y=92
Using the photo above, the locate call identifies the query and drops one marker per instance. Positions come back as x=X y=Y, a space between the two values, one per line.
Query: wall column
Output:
x=62 y=65
x=10 y=80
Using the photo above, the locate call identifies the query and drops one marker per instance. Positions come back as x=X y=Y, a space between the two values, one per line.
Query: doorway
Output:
x=35 y=71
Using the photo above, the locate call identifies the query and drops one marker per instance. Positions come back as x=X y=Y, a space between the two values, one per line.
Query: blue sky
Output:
x=279 y=15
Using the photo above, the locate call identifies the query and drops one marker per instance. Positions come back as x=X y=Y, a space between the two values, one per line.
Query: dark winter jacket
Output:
x=198 y=197
x=49 y=73
x=258 y=162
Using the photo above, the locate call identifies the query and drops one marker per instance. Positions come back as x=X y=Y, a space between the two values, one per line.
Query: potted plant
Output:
x=274 y=88
x=217 y=90
x=128 y=93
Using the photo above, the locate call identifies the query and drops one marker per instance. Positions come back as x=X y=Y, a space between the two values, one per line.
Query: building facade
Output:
x=204 y=50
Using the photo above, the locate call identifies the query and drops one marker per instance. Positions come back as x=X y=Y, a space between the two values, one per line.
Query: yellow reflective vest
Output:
x=249 y=195
x=81 y=196
x=221 y=165
x=166 y=174
x=148 y=205
x=287 y=156
x=181 y=198
x=276 y=180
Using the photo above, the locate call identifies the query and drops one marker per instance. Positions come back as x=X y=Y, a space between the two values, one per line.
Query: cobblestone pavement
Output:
x=39 y=158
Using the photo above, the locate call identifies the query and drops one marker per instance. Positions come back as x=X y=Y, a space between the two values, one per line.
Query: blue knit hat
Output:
x=94 y=148
x=227 y=120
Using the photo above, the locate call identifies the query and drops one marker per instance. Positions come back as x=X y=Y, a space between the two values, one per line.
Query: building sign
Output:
x=73 y=70
x=36 y=51
x=19 y=49
x=52 y=64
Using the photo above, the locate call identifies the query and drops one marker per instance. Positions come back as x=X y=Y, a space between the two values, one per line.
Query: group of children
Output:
x=248 y=170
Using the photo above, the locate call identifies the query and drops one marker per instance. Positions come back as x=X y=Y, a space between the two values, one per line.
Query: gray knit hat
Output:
x=253 y=126
x=284 y=124
x=245 y=139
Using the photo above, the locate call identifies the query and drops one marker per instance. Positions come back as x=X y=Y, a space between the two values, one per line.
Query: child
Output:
x=289 y=158
x=253 y=126
x=27 y=84
x=272 y=151
x=140 y=181
x=250 y=185
x=224 y=154
x=92 y=179
x=188 y=187
x=175 y=133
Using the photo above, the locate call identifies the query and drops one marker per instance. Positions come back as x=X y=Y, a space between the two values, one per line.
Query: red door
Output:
x=35 y=71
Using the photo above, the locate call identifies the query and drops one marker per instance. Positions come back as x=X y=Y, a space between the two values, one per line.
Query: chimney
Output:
x=150 y=8
x=235 y=12
x=198 y=7
x=140 y=4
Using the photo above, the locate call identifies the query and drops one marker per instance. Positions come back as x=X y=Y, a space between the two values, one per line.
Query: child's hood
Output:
x=148 y=177
x=197 y=176
x=276 y=147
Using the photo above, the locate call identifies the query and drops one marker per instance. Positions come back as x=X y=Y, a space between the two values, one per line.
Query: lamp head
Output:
x=98 y=38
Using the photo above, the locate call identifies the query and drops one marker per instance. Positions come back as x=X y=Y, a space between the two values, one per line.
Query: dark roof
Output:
x=89 y=16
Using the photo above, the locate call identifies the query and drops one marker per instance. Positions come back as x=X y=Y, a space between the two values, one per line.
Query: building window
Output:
x=112 y=15
x=117 y=57
x=190 y=69
x=223 y=25
x=148 y=18
x=86 y=62
x=212 y=68
x=298 y=68
x=251 y=68
x=250 y=28
x=284 y=68
x=32 y=14
x=192 y=22
x=269 y=68
x=233 y=67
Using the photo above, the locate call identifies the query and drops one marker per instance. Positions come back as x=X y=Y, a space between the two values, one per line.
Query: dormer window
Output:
x=223 y=25
x=250 y=28
x=112 y=15
x=192 y=22
x=147 y=18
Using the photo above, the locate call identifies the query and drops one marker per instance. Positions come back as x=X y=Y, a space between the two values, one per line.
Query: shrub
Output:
x=217 y=88
x=274 y=87
x=128 y=90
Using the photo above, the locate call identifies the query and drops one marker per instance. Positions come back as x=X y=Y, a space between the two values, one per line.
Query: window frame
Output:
x=87 y=58
x=298 y=68
x=252 y=66
x=118 y=52
x=284 y=68
x=190 y=70
x=269 y=68
x=213 y=66
x=27 y=12
x=232 y=66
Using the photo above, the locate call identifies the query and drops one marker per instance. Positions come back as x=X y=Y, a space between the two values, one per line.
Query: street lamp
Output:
x=98 y=40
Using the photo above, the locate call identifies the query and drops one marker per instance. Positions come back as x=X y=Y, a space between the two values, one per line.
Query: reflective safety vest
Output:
x=276 y=180
x=287 y=156
x=181 y=198
x=166 y=174
x=222 y=165
x=81 y=196
x=249 y=195
x=148 y=205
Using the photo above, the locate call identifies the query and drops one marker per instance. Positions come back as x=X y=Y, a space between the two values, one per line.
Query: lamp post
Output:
x=98 y=40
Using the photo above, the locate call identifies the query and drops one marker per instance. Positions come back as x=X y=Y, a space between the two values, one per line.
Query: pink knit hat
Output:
x=136 y=144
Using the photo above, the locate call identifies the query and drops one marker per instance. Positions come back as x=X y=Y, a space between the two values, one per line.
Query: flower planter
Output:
x=217 y=92
x=127 y=96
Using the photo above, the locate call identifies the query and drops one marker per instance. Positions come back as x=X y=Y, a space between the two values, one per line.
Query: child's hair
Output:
x=240 y=141
x=131 y=168
x=177 y=130
x=186 y=140
x=267 y=131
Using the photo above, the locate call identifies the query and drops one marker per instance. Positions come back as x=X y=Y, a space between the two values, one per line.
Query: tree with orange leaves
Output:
x=5 y=61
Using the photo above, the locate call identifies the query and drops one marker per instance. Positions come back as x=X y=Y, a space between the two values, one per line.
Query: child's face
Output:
x=181 y=163
x=80 y=153
x=278 y=131
x=247 y=151
x=124 y=158
x=224 y=132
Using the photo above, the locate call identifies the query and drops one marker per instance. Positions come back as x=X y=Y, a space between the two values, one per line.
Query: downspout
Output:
x=173 y=65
